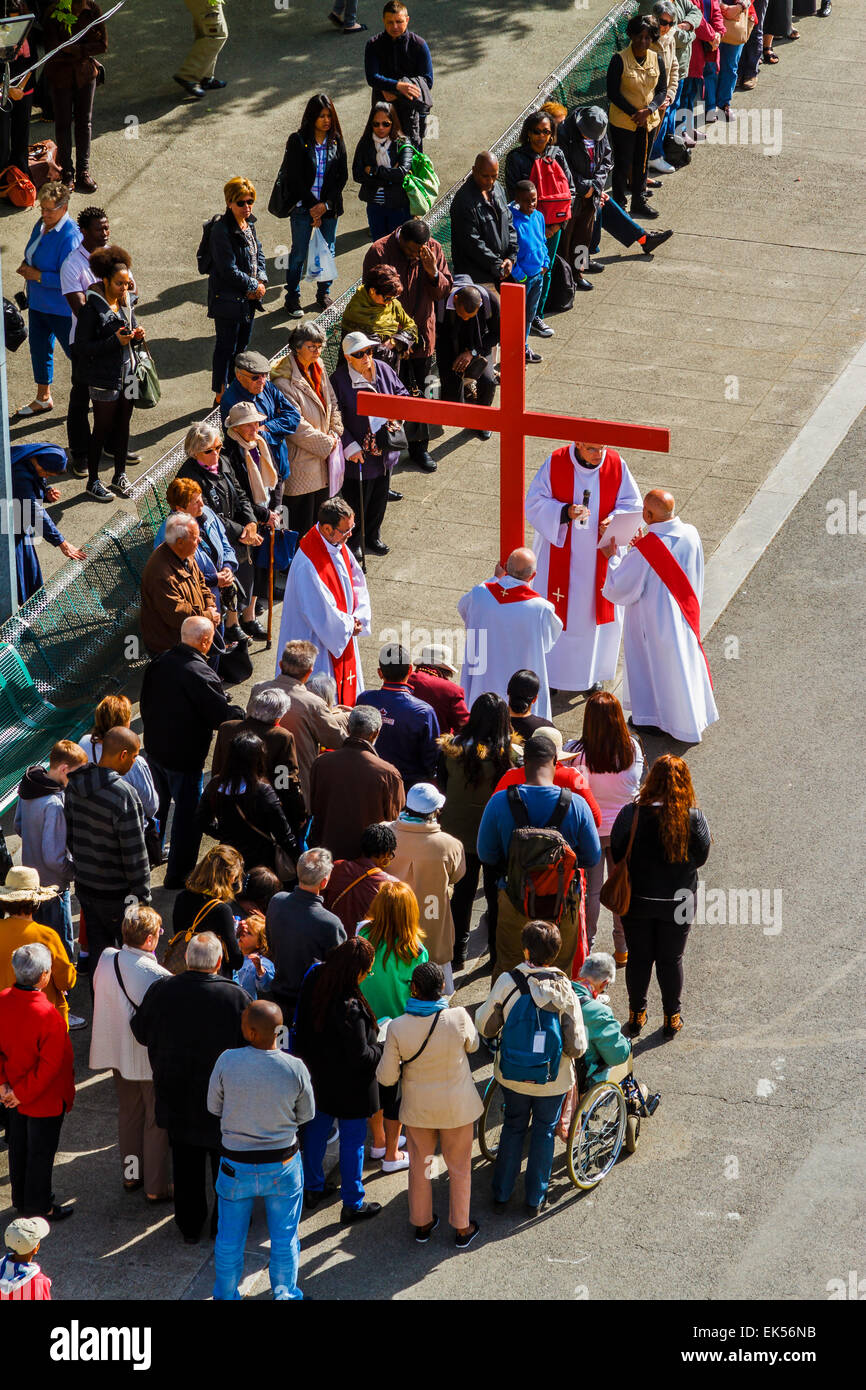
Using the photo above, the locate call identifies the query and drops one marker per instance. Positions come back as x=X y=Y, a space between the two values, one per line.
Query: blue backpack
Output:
x=530 y=1048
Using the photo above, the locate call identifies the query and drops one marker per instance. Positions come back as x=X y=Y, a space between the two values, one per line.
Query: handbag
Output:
x=284 y=864
x=142 y=382
x=616 y=892
x=421 y=183
x=175 y=952
x=285 y=545
x=404 y=1061
x=17 y=187
x=42 y=162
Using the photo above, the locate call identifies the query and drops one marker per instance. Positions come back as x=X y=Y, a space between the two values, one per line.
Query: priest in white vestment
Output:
x=327 y=601
x=509 y=627
x=569 y=502
x=660 y=580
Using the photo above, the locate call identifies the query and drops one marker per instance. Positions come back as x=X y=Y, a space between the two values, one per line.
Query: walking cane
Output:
x=361 y=501
x=270 y=591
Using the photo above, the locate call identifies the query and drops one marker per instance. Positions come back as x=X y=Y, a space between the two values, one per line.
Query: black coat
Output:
x=256 y=833
x=99 y=358
x=182 y=703
x=342 y=1058
x=236 y=271
x=294 y=182
x=233 y=458
x=400 y=154
x=220 y=920
x=224 y=495
x=482 y=234
x=584 y=174
x=185 y=1023
x=519 y=163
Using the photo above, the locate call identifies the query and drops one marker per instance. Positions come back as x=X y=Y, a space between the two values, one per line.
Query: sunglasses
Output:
x=255 y=376
x=214 y=449
x=540 y=130
x=244 y=202
x=381 y=125
x=665 y=23
x=365 y=352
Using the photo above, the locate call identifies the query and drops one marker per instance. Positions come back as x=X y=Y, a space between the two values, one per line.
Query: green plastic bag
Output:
x=146 y=389
x=421 y=183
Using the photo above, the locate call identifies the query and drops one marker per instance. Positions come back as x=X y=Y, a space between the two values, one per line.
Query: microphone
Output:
x=585 y=522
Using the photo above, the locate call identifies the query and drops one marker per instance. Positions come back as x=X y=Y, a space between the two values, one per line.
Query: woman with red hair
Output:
x=671 y=842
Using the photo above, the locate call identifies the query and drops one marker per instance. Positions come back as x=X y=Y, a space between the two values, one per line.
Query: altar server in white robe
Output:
x=327 y=601
x=508 y=627
x=660 y=581
x=570 y=502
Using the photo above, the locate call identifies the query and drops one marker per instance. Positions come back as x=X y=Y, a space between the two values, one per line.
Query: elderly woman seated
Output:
x=608 y=1050
x=375 y=309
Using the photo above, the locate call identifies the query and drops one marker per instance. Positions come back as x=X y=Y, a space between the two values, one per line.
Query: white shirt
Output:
x=76 y=277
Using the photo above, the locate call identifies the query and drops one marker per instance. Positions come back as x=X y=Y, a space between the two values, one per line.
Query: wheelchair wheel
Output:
x=596 y=1135
x=490 y=1124
x=632 y=1133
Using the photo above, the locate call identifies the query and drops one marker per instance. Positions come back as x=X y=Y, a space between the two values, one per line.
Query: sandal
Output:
x=769 y=56
x=794 y=34
x=34 y=408
x=355 y=29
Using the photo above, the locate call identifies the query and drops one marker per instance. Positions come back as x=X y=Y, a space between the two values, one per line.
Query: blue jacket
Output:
x=283 y=418
x=409 y=732
x=606 y=1044
x=497 y=824
x=48 y=256
x=28 y=491
x=532 y=254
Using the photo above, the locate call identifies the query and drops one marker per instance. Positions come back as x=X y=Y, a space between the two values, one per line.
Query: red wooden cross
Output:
x=513 y=421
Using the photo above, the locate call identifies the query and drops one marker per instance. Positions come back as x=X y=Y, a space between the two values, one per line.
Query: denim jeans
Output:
x=44 y=328
x=184 y=789
x=314 y=1141
x=382 y=220
x=665 y=129
x=282 y=1187
x=534 y=286
x=347 y=10
x=616 y=221
x=543 y=1111
x=302 y=230
x=726 y=79
x=753 y=47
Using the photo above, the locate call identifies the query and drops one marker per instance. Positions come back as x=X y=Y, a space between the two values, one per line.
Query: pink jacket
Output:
x=701 y=51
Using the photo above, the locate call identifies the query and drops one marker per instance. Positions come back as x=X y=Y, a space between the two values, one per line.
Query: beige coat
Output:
x=431 y=862
x=309 y=446
x=437 y=1090
x=667 y=47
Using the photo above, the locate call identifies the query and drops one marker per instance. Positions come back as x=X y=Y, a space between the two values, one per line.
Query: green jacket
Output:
x=376 y=320
x=606 y=1045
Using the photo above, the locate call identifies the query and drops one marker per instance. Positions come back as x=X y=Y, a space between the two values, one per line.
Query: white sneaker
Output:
x=380 y=1153
x=76 y=1021
x=661 y=166
x=395 y=1165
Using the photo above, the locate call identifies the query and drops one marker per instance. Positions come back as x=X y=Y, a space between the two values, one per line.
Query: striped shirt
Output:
x=321 y=152
x=22 y=1283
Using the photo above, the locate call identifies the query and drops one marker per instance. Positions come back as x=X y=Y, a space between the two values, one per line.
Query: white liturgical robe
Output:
x=310 y=612
x=666 y=678
x=586 y=652
x=504 y=637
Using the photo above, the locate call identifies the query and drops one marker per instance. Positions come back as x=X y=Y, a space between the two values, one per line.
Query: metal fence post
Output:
x=8 y=583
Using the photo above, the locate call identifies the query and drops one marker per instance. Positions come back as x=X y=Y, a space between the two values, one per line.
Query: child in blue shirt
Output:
x=533 y=259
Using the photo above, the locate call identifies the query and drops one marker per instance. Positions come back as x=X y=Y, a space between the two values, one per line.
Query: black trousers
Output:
x=654 y=942
x=33 y=1142
x=303 y=510
x=464 y=896
x=191 y=1197
x=232 y=336
x=73 y=108
x=630 y=153
x=15 y=133
x=111 y=422
x=375 y=503
x=103 y=919
x=416 y=374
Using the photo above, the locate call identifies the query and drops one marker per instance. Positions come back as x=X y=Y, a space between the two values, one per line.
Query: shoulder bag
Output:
x=284 y=864
x=616 y=892
x=404 y=1061
x=142 y=381
x=175 y=952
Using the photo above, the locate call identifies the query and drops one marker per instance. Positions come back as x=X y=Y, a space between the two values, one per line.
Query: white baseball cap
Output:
x=354 y=342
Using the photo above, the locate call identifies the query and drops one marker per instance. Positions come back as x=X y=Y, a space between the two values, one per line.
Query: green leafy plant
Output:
x=62 y=12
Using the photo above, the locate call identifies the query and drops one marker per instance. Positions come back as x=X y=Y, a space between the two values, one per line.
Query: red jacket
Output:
x=704 y=35
x=446 y=698
x=570 y=777
x=35 y=1053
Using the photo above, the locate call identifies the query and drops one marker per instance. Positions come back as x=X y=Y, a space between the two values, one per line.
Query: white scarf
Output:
x=262 y=475
x=381 y=146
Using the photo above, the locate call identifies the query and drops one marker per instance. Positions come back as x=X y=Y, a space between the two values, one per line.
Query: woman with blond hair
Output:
x=237 y=278
x=207 y=903
x=303 y=380
x=667 y=839
x=393 y=929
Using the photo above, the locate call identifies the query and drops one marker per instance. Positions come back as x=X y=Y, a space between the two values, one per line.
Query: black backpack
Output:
x=561 y=296
x=541 y=876
x=204 y=256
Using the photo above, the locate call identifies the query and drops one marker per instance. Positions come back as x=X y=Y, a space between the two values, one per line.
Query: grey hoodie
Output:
x=556 y=994
x=40 y=822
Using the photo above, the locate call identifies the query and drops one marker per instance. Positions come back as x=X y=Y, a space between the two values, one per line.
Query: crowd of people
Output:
x=303 y=991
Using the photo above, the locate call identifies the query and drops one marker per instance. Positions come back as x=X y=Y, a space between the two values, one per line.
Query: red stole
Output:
x=515 y=595
x=321 y=556
x=675 y=579
x=562 y=477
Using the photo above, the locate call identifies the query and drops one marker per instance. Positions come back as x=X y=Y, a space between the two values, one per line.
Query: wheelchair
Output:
x=607 y=1117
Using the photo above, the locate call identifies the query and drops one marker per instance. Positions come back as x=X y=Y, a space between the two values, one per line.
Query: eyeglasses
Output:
x=340 y=532
x=244 y=202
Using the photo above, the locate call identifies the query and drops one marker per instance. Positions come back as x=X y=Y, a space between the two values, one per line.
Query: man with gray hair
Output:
x=308 y=717
x=607 y=1047
x=509 y=626
x=300 y=929
x=173 y=586
x=37 y=1081
x=352 y=787
x=182 y=703
x=264 y=712
x=185 y=1022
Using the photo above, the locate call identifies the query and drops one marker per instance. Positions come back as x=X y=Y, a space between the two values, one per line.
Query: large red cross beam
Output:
x=513 y=422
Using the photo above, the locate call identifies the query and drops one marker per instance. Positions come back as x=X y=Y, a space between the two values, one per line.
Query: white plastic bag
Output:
x=321 y=265
x=336 y=469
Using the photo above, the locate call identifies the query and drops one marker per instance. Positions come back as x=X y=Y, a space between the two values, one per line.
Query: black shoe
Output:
x=594 y=688
x=653 y=183
x=423 y=1233
x=540 y=328
x=212 y=84
x=462 y=1241
x=194 y=88
x=323 y=300
x=378 y=547
x=97 y=491
x=130 y=456
x=349 y=1215
x=79 y=468
x=254 y=629
x=85 y=182
x=59 y=1213
x=292 y=306
x=654 y=239
x=581 y=283
x=642 y=209
x=394 y=495
x=825 y=9
x=312 y=1199
x=423 y=460
x=594 y=267
x=500 y=1207
x=236 y=634
x=121 y=485
x=457 y=963
x=482 y=434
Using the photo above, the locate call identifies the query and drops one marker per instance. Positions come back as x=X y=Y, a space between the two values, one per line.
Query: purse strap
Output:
x=404 y=1062
x=123 y=988
x=353 y=884
x=631 y=834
